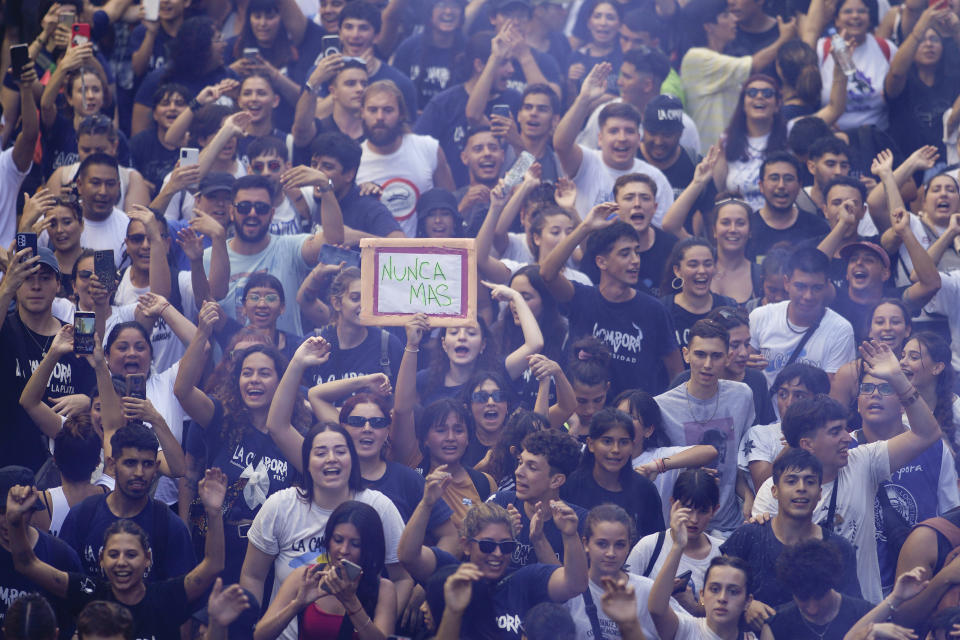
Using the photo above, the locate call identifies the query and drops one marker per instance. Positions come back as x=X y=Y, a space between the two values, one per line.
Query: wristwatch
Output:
x=309 y=89
x=327 y=187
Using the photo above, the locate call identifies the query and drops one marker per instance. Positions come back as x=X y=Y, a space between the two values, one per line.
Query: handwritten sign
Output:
x=404 y=276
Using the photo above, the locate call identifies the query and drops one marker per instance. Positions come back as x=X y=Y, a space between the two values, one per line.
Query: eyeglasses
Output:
x=359 y=421
x=507 y=547
x=136 y=238
x=272 y=165
x=269 y=297
x=883 y=388
x=766 y=92
x=244 y=207
x=84 y=274
x=483 y=396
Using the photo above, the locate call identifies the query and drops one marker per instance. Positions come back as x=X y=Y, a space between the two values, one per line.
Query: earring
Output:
x=677 y=283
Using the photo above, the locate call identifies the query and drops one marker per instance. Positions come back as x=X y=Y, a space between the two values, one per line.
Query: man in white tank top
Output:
x=404 y=164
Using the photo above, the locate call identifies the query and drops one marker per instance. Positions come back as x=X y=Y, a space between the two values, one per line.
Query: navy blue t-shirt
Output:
x=638 y=497
x=445 y=118
x=638 y=331
x=361 y=360
x=157 y=616
x=524 y=554
x=86 y=522
x=194 y=84
x=158 y=57
x=153 y=160
x=430 y=67
x=404 y=487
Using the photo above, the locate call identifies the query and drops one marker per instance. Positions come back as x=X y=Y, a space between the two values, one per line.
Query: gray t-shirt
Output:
x=720 y=421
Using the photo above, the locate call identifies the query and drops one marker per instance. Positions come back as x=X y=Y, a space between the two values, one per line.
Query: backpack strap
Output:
x=827 y=45
x=480 y=482
x=385 y=353
x=884 y=47
x=943 y=526
x=656 y=553
x=591 y=609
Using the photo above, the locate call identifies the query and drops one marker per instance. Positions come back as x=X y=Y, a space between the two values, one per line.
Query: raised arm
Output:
x=313 y=289
x=173 y=463
x=323 y=396
x=846 y=221
x=684 y=203
x=74 y=58
x=896 y=80
x=331 y=217
x=212 y=489
x=658 y=603
x=946 y=239
x=925 y=275
x=837 y=104
x=293 y=20
x=195 y=402
x=551 y=266
x=516 y=361
x=592 y=94
x=619 y=602
x=544 y=369
x=31 y=399
x=501 y=49
x=419 y=561
x=907 y=586
x=233 y=126
x=488 y=266
x=766 y=56
x=26 y=142
x=20 y=502
x=504 y=221
x=570 y=580
x=404 y=442
x=304 y=119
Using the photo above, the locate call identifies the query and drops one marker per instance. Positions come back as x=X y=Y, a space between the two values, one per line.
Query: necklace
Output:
x=716 y=406
x=43 y=348
x=813 y=627
x=801 y=330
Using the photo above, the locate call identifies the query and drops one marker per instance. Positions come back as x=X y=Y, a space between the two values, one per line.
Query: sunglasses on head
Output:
x=483 y=396
x=272 y=165
x=884 y=388
x=766 y=92
x=359 y=421
x=244 y=207
x=487 y=546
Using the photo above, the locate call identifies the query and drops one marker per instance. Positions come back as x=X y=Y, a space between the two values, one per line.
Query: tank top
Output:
x=58 y=510
x=317 y=624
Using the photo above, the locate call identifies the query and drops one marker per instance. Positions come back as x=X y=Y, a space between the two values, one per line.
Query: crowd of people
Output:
x=709 y=391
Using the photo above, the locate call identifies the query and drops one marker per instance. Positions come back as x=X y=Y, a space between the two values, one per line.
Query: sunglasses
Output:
x=487 y=546
x=270 y=297
x=359 y=421
x=884 y=388
x=244 y=207
x=483 y=396
x=272 y=165
x=766 y=92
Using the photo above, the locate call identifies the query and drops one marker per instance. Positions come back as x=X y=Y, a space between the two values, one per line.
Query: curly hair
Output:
x=809 y=569
x=518 y=426
x=561 y=450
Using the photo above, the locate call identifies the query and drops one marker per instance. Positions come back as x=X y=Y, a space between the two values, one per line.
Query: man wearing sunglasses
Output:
x=269 y=157
x=253 y=248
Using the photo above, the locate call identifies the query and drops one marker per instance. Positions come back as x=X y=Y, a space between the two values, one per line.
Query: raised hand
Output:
x=20 y=265
x=206 y=224
x=704 y=171
x=595 y=84
x=152 y=304
x=540 y=516
x=679 y=516
x=787 y=28
x=182 y=177
x=619 y=601
x=417 y=327
x=879 y=360
x=501 y=292
x=63 y=341
x=564 y=517
x=909 y=584
x=20 y=501
x=900 y=221
x=378 y=384
x=209 y=316
x=601 y=215
x=882 y=164
x=516 y=520
x=313 y=352
x=303 y=176
x=435 y=484
x=924 y=158
x=212 y=489
x=225 y=605
x=542 y=367
x=239 y=121
x=458 y=588
x=191 y=242
x=565 y=193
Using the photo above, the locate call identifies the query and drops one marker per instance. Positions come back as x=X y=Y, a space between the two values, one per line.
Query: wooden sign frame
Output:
x=371 y=250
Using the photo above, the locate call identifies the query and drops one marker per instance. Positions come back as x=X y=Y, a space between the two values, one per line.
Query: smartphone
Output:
x=136 y=385
x=151 y=10
x=67 y=18
x=352 y=570
x=25 y=241
x=329 y=45
x=189 y=156
x=684 y=578
x=501 y=110
x=330 y=254
x=83 y=327
x=105 y=268
x=250 y=53
x=81 y=34
x=19 y=57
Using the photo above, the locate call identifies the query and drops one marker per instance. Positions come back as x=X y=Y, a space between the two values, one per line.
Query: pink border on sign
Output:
x=464 y=277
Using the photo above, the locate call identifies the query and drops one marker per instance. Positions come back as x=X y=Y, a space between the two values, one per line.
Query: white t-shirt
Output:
x=762 y=442
x=517 y=248
x=111 y=233
x=641 y=587
x=594 y=180
x=689 y=139
x=167 y=348
x=664 y=481
x=127 y=293
x=403 y=176
x=282 y=258
x=743 y=176
x=947 y=302
x=865 y=99
x=829 y=348
x=11 y=178
x=867 y=466
x=289 y=529
x=690 y=628
x=642 y=552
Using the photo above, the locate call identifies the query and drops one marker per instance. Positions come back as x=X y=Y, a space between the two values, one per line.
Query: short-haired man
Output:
x=546 y=459
x=98 y=184
x=269 y=157
x=755 y=28
x=537 y=118
x=482 y=155
x=827 y=158
x=779 y=219
x=402 y=163
x=802 y=328
x=134 y=456
x=595 y=171
x=636 y=198
x=851 y=477
x=635 y=325
x=797 y=476
x=347 y=80
x=530 y=66
x=764 y=442
x=710 y=410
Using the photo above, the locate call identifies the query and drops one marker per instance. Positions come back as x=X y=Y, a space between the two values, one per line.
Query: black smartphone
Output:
x=330 y=254
x=352 y=570
x=105 y=268
x=500 y=110
x=136 y=385
x=329 y=45
x=27 y=240
x=684 y=579
x=84 y=323
x=19 y=57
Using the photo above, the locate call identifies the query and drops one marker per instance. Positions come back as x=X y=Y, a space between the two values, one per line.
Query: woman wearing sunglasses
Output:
x=756 y=128
x=496 y=605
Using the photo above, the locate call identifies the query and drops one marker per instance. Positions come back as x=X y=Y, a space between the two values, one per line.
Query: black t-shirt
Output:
x=13 y=585
x=805 y=226
x=679 y=175
x=788 y=623
x=638 y=331
x=368 y=214
x=430 y=67
x=360 y=360
x=157 y=617
x=303 y=154
x=21 y=442
x=683 y=320
x=654 y=260
x=639 y=497
x=404 y=487
x=748 y=43
x=916 y=115
x=153 y=160
x=758 y=545
x=524 y=554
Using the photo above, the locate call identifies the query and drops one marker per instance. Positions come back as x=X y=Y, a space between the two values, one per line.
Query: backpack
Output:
x=950 y=598
x=881 y=42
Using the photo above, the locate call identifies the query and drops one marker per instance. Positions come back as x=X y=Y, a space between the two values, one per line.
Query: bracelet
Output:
x=890 y=606
x=409 y=350
x=163 y=308
x=194 y=105
x=911 y=398
x=306 y=87
x=354 y=612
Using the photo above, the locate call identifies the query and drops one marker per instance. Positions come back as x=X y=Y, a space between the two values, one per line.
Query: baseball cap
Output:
x=499 y=6
x=437 y=199
x=215 y=182
x=47 y=258
x=848 y=250
x=663 y=114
